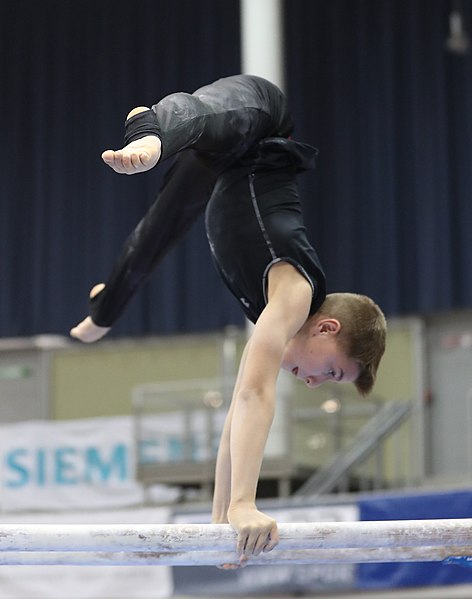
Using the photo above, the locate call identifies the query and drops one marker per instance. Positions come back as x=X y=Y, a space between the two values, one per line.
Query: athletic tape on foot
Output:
x=140 y=125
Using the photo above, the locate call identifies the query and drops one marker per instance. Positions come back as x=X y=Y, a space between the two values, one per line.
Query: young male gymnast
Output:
x=235 y=158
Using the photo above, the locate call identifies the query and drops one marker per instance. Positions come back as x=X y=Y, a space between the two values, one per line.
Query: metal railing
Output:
x=368 y=441
x=178 y=424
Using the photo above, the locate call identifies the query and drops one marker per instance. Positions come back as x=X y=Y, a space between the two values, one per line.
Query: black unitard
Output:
x=234 y=158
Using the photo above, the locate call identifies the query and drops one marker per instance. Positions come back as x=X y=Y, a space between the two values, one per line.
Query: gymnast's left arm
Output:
x=253 y=411
x=253 y=407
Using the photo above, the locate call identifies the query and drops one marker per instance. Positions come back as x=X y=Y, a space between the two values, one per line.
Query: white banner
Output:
x=68 y=465
x=91 y=463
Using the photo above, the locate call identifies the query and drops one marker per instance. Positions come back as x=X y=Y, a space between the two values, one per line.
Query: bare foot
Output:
x=137 y=157
x=87 y=331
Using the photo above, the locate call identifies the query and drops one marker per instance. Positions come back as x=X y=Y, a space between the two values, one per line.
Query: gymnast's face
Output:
x=314 y=356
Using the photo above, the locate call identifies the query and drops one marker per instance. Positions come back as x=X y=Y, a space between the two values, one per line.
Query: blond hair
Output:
x=362 y=335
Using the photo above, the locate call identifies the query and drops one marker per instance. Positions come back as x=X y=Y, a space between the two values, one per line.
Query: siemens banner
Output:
x=63 y=465
x=91 y=463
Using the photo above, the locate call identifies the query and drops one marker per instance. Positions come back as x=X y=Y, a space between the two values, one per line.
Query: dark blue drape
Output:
x=390 y=209
x=370 y=83
x=70 y=72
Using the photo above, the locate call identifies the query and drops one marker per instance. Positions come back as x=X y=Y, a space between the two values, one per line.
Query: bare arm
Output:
x=254 y=403
x=222 y=493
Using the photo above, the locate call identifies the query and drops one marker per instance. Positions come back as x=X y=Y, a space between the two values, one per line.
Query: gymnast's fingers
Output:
x=272 y=539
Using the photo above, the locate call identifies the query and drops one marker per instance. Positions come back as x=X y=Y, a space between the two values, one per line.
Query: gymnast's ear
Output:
x=326 y=326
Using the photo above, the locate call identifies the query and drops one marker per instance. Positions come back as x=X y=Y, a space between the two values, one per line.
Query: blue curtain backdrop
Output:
x=70 y=72
x=389 y=207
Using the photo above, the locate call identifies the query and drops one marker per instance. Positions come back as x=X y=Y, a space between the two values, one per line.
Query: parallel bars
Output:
x=214 y=544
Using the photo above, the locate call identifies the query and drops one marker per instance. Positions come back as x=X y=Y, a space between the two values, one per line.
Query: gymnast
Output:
x=235 y=159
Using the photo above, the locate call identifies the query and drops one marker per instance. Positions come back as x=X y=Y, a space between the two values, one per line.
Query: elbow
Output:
x=257 y=399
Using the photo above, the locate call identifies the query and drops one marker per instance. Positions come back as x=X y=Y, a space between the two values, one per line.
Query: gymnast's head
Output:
x=343 y=342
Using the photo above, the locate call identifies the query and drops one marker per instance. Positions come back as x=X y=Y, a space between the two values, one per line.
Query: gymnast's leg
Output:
x=223 y=119
x=185 y=192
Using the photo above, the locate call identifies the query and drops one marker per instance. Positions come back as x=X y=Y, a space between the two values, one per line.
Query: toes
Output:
x=108 y=156
x=144 y=158
x=124 y=160
x=131 y=160
x=136 y=160
x=113 y=160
